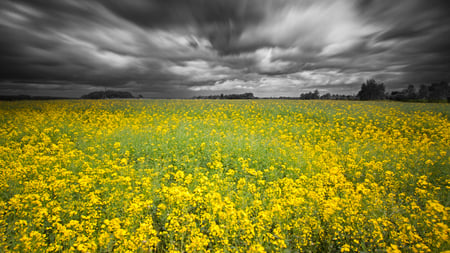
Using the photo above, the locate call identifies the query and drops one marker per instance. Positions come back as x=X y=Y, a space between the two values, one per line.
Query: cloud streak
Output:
x=177 y=48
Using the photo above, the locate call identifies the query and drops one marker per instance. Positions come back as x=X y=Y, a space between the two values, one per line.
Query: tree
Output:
x=107 y=94
x=404 y=95
x=310 y=95
x=230 y=96
x=439 y=91
x=326 y=96
x=371 y=90
x=423 y=92
x=410 y=92
x=316 y=94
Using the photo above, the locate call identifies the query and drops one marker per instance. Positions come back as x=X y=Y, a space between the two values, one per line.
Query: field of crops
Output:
x=224 y=176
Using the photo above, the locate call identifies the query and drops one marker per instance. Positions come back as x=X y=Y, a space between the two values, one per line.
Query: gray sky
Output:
x=183 y=48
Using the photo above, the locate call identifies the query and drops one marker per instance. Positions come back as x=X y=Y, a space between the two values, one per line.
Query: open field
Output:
x=224 y=176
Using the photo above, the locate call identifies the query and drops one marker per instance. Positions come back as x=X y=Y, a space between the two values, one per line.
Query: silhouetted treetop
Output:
x=230 y=96
x=435 y=92
x=107 y=94
x=439 y=91
x=310 y=95
x=371 y=90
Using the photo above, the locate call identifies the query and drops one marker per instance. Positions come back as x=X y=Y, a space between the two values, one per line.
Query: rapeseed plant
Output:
x=224 y=176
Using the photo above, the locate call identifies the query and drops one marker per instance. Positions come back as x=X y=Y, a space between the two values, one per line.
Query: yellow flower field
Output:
x=224 y=176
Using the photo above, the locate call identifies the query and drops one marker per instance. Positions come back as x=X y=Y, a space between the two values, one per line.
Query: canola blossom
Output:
x=224 y=176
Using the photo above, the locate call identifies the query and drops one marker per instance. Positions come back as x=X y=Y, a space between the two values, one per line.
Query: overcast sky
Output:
x=183 y=48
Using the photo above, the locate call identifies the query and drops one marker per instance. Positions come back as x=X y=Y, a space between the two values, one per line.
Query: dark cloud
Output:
x=220 y=21
x=173 y=48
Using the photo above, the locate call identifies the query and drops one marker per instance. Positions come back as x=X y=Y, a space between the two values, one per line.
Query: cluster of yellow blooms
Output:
x=224 y=176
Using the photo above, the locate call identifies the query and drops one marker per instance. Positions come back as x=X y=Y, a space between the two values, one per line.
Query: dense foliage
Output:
x=107 y=94
x=371 y=90
x=224 y=176
x=228 y=96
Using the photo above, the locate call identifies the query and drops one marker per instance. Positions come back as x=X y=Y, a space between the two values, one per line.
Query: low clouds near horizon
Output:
x=183 y=48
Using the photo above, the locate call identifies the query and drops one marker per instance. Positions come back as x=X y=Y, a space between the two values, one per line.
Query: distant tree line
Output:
x=310 y=95
x=93 y=95
x=107 y=94
x=373 y=90
x=434 y=92
x=329 y=96
x=27 y=97
x=326 y=96
x=230 y=96
x=370 y=90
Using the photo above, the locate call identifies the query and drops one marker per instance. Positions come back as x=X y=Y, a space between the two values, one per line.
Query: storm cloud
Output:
x=182 y=48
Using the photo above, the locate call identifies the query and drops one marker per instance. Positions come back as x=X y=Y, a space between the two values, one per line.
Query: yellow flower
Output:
x=345 y=248
x=256 y=248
